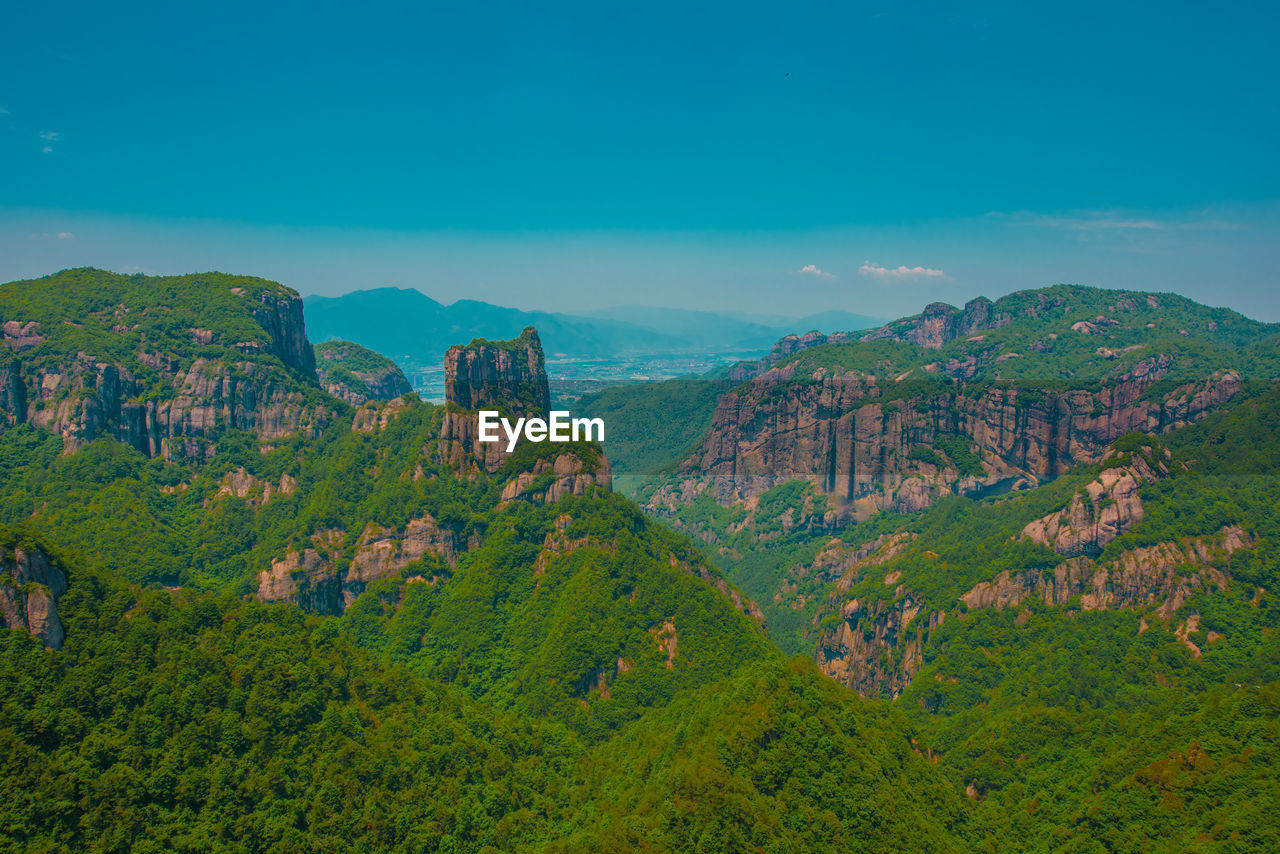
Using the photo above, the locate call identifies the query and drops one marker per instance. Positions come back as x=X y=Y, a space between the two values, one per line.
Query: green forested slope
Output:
x=1067 y=722
x=579 y=677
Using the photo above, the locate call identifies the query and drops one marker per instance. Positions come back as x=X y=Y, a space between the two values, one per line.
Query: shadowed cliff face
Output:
x=30 y=585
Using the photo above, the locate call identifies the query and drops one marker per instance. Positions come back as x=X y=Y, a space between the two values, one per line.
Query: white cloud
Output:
x=900 y=272
x=50 y=135
x=1101 y=223
x=3 y=111
x=65 y=235
x=46 y=150
x=812 y=270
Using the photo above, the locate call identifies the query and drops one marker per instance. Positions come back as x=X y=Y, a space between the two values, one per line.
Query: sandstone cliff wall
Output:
x=169 y=406
x=784 y=427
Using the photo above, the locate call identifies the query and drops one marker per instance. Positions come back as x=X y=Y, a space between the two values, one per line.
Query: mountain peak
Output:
x=506 y=374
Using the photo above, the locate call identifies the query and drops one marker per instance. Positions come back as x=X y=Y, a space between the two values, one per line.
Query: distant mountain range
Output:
x=415 y=329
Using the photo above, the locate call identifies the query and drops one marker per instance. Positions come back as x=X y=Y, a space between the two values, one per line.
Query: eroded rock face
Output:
x=257 y=491
x=317 y=579
x=460 y=448
x=30 y=584
x=875 y=648
x=509 y=375
x=374 y=416
x=82 y=397
x=1166 y=573
x=870 y=650
x=569 y=476
x=384 y=552
x=308 y=577
x=780 y=428
x=940 y=324
x=1107 y=508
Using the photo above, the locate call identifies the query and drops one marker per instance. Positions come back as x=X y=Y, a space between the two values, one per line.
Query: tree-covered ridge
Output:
x=116 y=317
x=495 y=670
x=439 y=700
x=585 y=610
x=164 y=364
x=351 y=356
x=1065 y=336
x=192 y=722
x=1137 y=708
x=358 y=375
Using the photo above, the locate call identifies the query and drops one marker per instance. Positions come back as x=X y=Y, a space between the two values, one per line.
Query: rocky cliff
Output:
x=358 y=375
x=876 y=647
x=990 y=398
x=319 y=579
x=30 y=585
x=82 y=398
x=885 y=455
x=1105 y=508
x=508 y=375
x=163 y=364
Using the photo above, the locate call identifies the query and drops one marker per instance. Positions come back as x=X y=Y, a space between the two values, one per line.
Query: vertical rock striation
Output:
x=507 y=375
x=30 y=585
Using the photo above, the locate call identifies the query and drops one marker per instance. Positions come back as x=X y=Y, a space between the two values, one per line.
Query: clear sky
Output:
x=765 y=157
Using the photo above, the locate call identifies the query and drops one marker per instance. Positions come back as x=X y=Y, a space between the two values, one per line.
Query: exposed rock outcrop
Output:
x=1166 y=573
x=994 y=397
x=168 y=399
x=257 y=491
x=876 y=647
x=874 y=456
x=318 y=579
x=384 y=552
x=940 y=324
x=30 y=585
x=279 y=312
x=507 y=375
x=1105 y=509
x=308 y=577
x=552 y=479
x=871 y=650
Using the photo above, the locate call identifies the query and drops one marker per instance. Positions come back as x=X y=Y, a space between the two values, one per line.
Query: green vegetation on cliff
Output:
x=124 y=318
x=357 y=375
x=365 y=635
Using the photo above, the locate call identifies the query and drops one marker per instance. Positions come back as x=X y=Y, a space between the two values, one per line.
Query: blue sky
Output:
x=584 y=155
